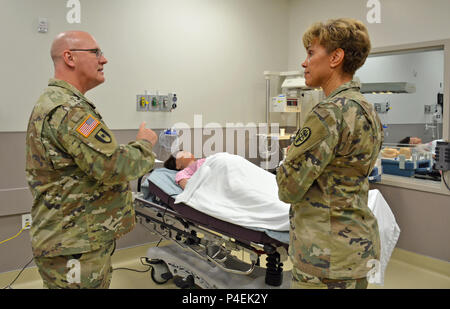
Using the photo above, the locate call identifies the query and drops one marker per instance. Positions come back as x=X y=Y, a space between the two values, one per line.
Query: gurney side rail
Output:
x=192 y=242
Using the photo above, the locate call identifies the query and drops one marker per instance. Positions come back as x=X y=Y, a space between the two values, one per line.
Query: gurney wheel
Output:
x=184 y=283
x=160 y=272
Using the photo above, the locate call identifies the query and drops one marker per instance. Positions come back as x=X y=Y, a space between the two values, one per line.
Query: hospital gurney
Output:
x=198 y=235
x=234 y=205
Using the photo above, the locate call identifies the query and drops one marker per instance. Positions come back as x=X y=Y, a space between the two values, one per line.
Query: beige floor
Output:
x=399 y=274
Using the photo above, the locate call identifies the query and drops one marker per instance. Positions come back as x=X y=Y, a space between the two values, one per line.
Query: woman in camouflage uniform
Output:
x=334 y=235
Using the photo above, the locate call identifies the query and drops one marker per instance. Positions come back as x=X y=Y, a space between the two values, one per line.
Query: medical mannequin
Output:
x=185 y=163
x=412 y=140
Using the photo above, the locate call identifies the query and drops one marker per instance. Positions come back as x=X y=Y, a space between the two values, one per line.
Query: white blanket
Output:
x=230 y=188
x=388 y=229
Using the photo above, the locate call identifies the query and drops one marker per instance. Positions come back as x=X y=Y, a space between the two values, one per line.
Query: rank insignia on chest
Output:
x=88 y=126
x=302 y=136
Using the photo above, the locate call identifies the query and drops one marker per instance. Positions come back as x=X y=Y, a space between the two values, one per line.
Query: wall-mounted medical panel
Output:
x=160 y=102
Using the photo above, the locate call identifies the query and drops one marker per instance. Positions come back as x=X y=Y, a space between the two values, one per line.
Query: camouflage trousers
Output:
x=89 y=270
x=301 y=280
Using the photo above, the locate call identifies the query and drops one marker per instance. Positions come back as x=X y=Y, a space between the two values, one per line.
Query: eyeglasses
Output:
x=97 y=51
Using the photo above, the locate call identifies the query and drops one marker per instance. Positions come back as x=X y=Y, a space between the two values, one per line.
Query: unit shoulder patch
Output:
x=302 y=136
x=103 y=136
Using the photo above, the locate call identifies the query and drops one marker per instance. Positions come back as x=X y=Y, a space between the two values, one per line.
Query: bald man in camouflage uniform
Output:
x=78 y=173
x=333 y=233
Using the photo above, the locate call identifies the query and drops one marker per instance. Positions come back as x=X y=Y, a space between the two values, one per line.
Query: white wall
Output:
x=212 y=53
x=402 y=21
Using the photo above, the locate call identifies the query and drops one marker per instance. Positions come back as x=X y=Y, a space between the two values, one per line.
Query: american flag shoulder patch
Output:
x=87 y=126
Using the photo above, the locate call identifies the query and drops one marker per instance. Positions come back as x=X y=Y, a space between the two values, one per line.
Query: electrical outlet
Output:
x=26 y=219
x=430 y=109
x=382 y=108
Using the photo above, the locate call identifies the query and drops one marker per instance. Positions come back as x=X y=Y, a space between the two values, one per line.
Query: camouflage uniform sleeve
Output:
x=309 y=154
x=97 y=153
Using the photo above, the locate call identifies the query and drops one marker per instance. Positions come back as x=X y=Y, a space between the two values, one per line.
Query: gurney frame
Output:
x=213 y=247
